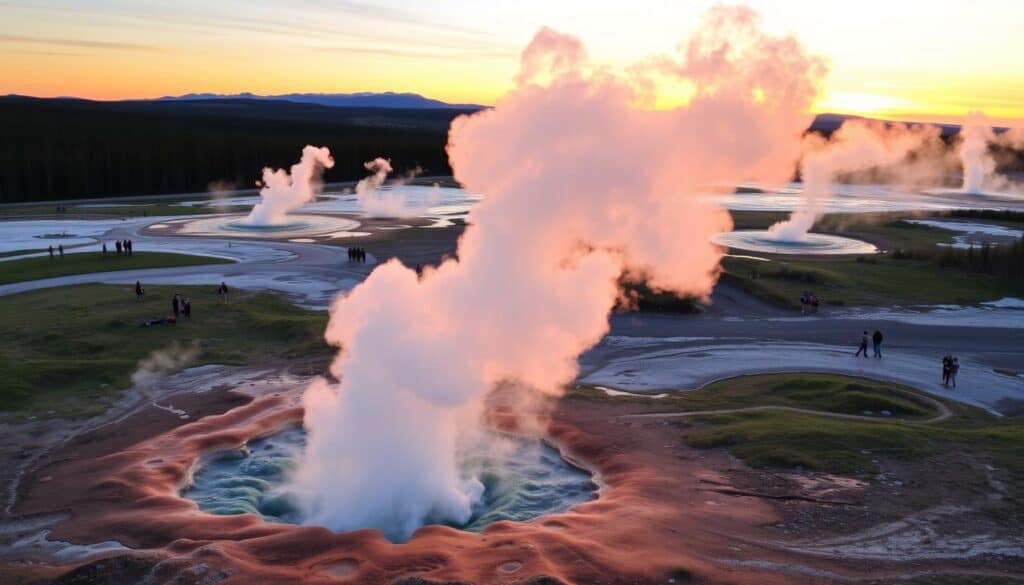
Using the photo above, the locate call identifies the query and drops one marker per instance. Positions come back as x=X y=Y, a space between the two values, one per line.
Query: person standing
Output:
x=176 y=305
x=117 y=246
x=954 y=369
x=60 y=248
x=947 y=367
x=131 y=247
x=139 y=291
x=876 y=343
x=222 y=291
x=863 y=347
x=104 y=248
x=51 y=250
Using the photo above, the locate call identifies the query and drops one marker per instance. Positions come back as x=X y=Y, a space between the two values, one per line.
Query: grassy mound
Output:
x=72 y=350
x=89 y=262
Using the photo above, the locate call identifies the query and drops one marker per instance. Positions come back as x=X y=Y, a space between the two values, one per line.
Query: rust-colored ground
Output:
x=666 y=514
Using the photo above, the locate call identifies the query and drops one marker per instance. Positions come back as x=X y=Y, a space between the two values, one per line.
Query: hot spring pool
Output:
x=297 y=225
x=524 y=480
x=820 y=244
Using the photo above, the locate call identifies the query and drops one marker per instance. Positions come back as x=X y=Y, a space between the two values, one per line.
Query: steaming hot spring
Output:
x=288 y=226
x=523 y=479
x=767 y=242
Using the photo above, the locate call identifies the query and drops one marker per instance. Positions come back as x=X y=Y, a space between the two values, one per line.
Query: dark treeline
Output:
x=1005 y=261
x=67 y=149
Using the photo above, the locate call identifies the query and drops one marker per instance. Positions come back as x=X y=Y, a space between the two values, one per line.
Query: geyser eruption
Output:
x=584 y=188
x=376 y=203
x=285 y=191
x=976 y=135
x=857 y=145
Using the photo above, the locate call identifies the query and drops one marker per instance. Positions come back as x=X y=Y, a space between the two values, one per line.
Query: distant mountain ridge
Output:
x=363 y=99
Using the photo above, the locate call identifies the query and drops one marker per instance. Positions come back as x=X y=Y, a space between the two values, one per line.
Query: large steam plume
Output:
x=284 y=192
x=976 y=135
x=583 y=189
x=856 y=146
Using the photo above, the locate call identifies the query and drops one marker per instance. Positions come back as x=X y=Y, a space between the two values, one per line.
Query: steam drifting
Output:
x=284 y=192
x=584 y=187
x=377 y=203
x=857 y=145
x=976 y=134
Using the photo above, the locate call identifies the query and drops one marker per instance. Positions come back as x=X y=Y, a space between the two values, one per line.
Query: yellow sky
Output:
x=891 y=59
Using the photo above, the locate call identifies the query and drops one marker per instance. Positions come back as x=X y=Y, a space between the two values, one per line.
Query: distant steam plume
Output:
x=976 y=135
x=856 y=146
x=583 y=188
x=378 y=203
x=285 y=191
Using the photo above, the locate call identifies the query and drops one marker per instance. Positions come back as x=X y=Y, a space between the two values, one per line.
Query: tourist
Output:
x=176 y=305
x=139 y=291
x=222 y=291
x=954 y=369
x=60 y=248
x=863 y=347
x=947 y=367
x=117 y=246
x=130 y=247
x=186 y=307
x=104 y=248
x=51 y=250
x=876 y=343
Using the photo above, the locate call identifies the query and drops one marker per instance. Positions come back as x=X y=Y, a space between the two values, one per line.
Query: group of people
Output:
x=121 y=246
x=60 y=248
x=950 y=363
x=950 y=368
x=357 y=255
x=181 y=306
x=809 y=303
x=62 y=209
x=876 y=344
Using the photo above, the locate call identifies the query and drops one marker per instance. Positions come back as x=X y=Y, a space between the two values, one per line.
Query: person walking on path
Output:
x=876 y=343
x=222 y=291
x=139 y=291
x=863 y=347
x=947 y=367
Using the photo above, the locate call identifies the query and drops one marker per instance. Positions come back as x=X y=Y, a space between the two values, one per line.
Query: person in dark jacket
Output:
x=876 y=343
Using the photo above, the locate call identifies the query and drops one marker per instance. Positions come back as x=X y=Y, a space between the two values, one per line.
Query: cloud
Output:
x=76 y=43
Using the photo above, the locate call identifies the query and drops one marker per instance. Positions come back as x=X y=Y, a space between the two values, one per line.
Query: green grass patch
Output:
x=876 y=280
x=89 y=262
x=797 y=440
x=72 y=350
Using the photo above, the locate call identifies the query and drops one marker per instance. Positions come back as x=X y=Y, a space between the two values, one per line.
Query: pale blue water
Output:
x=526 y=480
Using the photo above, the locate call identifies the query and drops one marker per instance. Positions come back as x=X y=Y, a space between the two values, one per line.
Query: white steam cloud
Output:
x=378 y=203
x=284 y=192
x=976 y=135
x=583 y=188
x=857 y=145
x=155 y=367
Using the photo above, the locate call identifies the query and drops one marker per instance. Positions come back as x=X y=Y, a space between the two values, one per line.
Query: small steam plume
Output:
x=979 y=166
x=155 y=367
x=284 y=192
x=377 y=203
x=584 y=188
x=858 y=145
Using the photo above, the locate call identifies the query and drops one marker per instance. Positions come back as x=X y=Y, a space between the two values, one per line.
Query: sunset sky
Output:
x=893 y=59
